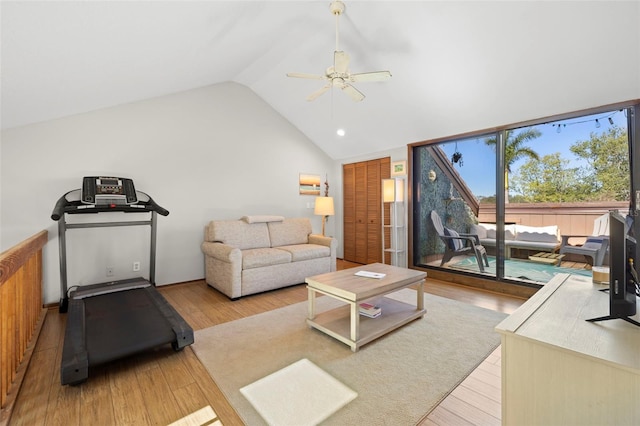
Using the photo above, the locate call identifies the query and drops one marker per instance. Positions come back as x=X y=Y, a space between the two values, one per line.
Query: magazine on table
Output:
x=369 y=274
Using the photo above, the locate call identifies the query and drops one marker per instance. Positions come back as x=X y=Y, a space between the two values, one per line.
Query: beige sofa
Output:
x=538 y=238
x=260 y=253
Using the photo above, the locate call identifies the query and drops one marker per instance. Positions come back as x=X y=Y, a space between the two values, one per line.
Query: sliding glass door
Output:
x=518 y=193
x=450 y=181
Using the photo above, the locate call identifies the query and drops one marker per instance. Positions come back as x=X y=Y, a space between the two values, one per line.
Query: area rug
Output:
x=520 y=269
x=399 y=378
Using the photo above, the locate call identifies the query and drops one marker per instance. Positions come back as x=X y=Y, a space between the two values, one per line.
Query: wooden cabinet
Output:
x=362 y=189
x=559 y=369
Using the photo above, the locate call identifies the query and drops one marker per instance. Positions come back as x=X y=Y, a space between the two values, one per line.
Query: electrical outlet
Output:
x=109 y=271
x=136 y=266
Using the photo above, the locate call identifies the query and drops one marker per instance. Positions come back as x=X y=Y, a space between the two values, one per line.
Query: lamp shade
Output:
x=324 y=206
x=392 y=190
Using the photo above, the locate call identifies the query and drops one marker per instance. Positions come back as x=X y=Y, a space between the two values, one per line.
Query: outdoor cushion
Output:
x=509 y=231
x=533 y=245
x=478 y=230
x=454 y=243
x=593 y=243
x=543 y=234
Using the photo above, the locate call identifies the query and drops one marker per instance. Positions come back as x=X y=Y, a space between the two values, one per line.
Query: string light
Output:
x=559 y=126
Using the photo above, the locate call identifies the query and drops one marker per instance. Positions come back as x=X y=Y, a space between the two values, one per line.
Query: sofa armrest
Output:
x=223 y=268
x=222 y=251
x=330 y=242
x=322 y=240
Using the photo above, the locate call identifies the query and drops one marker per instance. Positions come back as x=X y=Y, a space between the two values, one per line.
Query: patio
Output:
x=571 y=218
x=521 y=269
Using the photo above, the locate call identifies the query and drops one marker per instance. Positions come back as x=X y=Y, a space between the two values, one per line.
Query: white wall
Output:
x=215 y=152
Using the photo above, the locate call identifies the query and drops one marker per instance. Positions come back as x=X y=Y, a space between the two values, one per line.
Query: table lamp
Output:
x=324 y=208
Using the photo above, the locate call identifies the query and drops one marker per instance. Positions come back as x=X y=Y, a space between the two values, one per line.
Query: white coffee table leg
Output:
x=355 y=325
x=312 y=303
x=420 y=301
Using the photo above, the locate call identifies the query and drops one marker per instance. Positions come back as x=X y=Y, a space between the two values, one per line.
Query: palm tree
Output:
x=515 y=149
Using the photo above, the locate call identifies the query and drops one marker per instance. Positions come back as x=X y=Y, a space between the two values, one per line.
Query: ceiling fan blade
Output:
x=354 y=93
x=305 y=75
x=340 y=62
x=318 y=92
x=370 y=76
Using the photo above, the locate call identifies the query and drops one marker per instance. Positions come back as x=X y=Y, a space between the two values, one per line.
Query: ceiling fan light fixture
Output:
x=340 y=132
x=336 y=7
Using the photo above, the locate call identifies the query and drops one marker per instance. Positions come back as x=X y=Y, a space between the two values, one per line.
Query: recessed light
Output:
x=340 y=132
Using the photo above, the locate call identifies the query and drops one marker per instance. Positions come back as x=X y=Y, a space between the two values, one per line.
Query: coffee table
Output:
x=345 y=323
x=548 y=258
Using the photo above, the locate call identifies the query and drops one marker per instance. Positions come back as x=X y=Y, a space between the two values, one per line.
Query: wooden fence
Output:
x=21 y=315
x=571 y=218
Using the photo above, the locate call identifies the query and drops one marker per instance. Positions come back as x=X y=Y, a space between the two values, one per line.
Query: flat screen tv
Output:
x=622 y=275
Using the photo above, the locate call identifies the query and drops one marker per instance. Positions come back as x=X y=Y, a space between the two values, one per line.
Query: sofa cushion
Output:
x=257 y=258
x=238 y=233
x=290 y=231
x=542 y=234
x=306 y=251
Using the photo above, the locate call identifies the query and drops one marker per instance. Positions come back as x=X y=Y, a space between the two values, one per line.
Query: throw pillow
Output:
x=454 y=243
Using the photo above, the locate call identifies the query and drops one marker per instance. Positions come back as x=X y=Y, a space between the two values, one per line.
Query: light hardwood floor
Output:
x=162 y=386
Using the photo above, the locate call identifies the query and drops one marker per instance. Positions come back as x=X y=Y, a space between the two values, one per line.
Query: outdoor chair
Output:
x=459 y=244
x=595 y=247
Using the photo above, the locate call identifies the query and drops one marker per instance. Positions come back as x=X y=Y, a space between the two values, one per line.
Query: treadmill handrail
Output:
x=63 y=205
x=58 y=209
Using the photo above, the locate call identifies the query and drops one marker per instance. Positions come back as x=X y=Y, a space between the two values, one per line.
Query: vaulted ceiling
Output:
x=456 y=66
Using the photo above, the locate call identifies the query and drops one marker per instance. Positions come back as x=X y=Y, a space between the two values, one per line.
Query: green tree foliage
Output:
x=549 y=180
x=607 y=155
x=604 y=178
x=515 y=148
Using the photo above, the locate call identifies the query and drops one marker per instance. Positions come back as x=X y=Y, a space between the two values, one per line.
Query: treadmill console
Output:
x=108 y=190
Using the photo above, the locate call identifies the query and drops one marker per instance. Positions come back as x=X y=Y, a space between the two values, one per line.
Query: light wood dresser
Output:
x=559 y=369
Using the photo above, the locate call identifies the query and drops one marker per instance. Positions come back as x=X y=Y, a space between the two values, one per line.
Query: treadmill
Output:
x=115 y=319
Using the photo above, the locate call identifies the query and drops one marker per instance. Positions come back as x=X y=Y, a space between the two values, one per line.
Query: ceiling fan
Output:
x=339 y=75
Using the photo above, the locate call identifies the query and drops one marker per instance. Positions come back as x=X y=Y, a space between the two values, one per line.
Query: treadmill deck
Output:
x=121 y=319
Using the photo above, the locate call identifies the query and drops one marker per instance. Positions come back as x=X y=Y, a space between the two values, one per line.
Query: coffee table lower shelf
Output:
x=337 y=322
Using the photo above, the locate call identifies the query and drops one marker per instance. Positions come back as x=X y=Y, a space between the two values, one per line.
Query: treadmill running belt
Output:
x=122 y=324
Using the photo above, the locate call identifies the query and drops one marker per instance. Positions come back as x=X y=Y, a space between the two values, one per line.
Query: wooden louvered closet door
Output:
x=362 y=188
